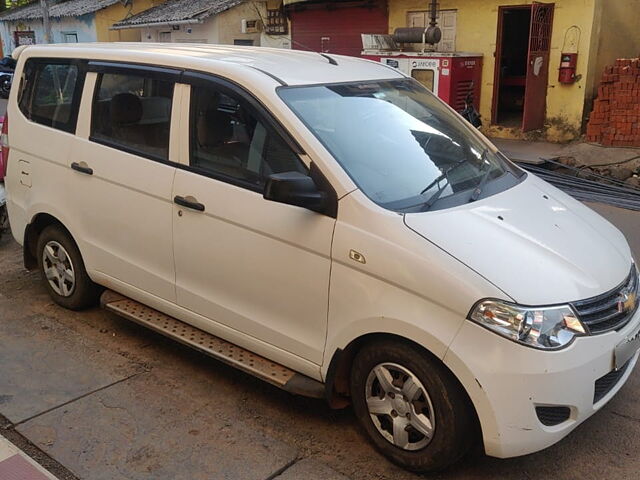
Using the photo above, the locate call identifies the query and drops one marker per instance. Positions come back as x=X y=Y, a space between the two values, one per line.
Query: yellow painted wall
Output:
x=477 y=25
x=106 y=17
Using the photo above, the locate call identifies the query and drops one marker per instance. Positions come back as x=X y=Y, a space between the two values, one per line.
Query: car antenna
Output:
x=332 y=60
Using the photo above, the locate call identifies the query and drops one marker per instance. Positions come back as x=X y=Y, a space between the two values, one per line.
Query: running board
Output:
x=221 y=350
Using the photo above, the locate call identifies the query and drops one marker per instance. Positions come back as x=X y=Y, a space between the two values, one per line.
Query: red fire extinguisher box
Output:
x=568 y=66
x=450 y=75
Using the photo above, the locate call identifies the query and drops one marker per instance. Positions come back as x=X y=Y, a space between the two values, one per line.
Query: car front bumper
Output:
x=507 y=381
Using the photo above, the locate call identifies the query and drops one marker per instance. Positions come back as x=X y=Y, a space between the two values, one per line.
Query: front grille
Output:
x=551 y=416
x=605 y=383
x=606 y=312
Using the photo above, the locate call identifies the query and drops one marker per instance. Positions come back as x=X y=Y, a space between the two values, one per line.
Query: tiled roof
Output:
x=175 y=11
x=68 y=8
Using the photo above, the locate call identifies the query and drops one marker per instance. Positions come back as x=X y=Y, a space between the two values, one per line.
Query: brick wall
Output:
x=615 y=120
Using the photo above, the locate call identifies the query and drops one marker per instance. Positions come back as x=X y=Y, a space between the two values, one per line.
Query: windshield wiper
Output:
x=478 y=190
x=444 y=175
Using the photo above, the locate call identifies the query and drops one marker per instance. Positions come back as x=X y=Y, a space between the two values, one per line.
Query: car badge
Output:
x=627 y=302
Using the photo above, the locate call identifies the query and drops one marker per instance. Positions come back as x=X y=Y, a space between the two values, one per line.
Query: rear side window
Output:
x=133 y=113
x=50 y=92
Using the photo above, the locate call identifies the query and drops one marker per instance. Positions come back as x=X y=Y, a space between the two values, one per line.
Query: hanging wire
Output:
x=576 y=40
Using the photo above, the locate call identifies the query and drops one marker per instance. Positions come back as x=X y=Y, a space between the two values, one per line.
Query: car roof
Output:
x=290 y=67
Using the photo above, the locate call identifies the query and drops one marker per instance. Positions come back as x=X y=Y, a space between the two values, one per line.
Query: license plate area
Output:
x=626 y=349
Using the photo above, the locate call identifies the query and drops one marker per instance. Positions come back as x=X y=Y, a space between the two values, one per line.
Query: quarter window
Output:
x=133 y=113
x=230 y=142
x=50 y=92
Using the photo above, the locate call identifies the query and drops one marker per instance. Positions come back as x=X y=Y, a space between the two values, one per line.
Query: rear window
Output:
x=133 y=113
x=50 y=92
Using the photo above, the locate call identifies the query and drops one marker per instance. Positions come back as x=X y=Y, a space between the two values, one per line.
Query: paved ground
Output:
x=16 y=465
x=93 y=396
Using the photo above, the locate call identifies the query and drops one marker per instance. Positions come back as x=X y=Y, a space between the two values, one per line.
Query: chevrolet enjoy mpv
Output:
x=327 y=224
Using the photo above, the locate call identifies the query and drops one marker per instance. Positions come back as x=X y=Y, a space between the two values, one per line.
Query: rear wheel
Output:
x=411 y=407
x=63 y=270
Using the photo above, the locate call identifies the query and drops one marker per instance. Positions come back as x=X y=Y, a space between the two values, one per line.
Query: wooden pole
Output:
x=45 y=21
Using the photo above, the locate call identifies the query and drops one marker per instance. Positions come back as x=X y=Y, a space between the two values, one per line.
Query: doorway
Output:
x=522 y=66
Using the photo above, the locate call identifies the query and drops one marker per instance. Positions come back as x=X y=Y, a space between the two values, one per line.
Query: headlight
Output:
x=546 y=328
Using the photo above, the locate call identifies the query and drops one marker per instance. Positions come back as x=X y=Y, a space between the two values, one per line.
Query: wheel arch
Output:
x=337 y=379
x=38 y=223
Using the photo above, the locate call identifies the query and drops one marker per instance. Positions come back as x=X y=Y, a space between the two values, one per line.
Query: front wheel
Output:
x=63 y=270
x=411 y=407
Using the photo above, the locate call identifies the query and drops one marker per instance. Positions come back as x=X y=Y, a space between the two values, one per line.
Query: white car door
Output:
x=123 y=180
x=257 y=267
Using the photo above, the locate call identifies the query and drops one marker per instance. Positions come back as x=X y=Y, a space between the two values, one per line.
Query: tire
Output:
x=445 y=407
x=71 y=287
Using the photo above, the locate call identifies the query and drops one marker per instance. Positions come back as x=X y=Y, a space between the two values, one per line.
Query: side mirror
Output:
x=295 y=188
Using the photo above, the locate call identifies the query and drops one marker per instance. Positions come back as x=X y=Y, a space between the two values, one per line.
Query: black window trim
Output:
x=197 y=78
x=194 y=79
x=167 y=74
x=191 y=78
x=102 y=68
x=72 y=124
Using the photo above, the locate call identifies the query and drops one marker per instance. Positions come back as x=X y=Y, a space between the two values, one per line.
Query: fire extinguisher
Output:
x=569 y=61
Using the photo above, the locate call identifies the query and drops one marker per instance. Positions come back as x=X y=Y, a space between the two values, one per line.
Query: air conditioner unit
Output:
x=250 y=26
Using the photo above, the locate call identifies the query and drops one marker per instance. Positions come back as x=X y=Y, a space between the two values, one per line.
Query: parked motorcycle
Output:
x=7 y=68
x=470 y=113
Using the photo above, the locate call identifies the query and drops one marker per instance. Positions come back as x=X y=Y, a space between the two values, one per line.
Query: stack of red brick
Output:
x=615 y=120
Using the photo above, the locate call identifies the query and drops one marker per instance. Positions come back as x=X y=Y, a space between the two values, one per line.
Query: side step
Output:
x=226 y=352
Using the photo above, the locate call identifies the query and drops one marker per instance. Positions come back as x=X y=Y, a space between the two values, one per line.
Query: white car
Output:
x=327 y=224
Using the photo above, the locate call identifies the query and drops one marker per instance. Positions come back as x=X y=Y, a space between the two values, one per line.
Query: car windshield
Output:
x=402 y=146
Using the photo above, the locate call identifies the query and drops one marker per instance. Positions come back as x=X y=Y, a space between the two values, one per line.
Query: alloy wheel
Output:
x=399 y=406
x=58 y=269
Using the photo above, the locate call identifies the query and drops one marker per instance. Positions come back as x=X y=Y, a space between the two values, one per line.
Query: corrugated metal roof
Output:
x=69 y=8
x=176 y=11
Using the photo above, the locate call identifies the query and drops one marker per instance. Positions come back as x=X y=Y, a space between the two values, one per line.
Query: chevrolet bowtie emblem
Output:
x=627 y=302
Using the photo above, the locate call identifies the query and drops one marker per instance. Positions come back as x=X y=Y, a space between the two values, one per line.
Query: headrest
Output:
x=126 y=108
x=214 y=128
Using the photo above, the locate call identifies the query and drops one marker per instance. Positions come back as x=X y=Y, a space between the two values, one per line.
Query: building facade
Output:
x=506 y=34
x=230 y=22
x=522 y=45
x=71 y=21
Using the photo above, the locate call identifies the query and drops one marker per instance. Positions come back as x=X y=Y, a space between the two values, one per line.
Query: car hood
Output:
x=535 y=243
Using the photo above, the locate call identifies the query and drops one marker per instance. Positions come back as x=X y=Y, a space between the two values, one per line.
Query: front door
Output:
x=257 y=267
x=535 y=101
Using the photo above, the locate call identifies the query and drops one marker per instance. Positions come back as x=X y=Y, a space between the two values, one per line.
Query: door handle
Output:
x=189 y=202
x=82 y=168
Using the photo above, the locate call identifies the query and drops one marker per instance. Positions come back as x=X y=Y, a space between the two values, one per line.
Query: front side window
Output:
x=230 y=142
x=401 y=145
x=50 y=93
x=133 y=113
